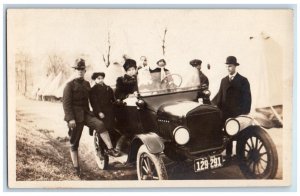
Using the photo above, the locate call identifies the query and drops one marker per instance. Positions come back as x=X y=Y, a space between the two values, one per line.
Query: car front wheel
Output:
x=257 y=154
x=150 y=166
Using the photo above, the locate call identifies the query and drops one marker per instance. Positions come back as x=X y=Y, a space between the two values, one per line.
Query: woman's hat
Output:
x=161 y=60
x=129 y=63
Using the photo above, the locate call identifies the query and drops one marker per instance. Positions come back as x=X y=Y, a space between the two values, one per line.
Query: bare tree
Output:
x=56 y=64
x=164 y=41
x=23 y=63
x=107 y=59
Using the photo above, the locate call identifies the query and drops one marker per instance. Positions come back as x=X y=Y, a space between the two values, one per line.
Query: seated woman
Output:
x=126 y=92
x=127 y=84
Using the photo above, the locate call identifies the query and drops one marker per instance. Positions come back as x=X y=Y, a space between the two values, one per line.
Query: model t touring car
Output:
x=166 y=121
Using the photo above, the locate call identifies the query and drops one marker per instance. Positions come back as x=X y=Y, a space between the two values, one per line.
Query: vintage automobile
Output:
x=167 y=122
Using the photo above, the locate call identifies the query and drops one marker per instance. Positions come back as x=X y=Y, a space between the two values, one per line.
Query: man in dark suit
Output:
x=203 y=80
x=78 y=114
x=234 y=96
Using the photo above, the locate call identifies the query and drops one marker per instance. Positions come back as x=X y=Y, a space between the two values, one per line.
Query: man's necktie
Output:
x=162 y=74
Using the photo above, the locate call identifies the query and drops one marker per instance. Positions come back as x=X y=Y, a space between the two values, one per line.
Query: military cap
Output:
x=195 y=62
x=129 y=63
x=97 y=74
x=79 y=64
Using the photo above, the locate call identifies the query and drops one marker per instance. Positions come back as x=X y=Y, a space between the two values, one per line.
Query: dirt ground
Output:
x=43 y=150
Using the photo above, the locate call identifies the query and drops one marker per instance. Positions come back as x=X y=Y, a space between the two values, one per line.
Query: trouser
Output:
x=75 y=134
x=229 y=148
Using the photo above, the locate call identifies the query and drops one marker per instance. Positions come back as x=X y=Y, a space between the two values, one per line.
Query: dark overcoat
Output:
x=76 y=100
x=125 y=85
x=203 y=82
x=203 y=79
x=102 y=99
x=234 y=97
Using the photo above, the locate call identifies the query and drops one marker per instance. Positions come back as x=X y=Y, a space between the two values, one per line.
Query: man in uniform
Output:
x=234 y=96
x=78 y=114
x=203 y=80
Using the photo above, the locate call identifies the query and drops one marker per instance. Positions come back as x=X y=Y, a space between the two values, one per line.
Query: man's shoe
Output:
x=77 y=171
x=113 y=152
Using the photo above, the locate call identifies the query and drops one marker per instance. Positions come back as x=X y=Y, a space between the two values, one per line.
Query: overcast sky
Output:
x=210 y=35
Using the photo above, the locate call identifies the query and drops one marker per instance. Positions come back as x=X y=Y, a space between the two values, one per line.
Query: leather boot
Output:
x=106 y=139
x=74 y=157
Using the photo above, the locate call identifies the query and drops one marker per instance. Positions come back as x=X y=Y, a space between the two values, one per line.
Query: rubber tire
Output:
x=272 y=162
x=155 y=159
x=102 y=164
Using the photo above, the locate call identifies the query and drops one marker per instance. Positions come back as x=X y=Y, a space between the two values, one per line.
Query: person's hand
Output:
x=101 y=115
x=134 y=94
x=72 y=124
x=204 y=87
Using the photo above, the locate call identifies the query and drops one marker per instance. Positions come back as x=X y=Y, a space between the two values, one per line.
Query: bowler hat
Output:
x=129 y=63
x=195 y=62
x=231 y=60
x=97 y=74
x=161 y=60
x=79 y=64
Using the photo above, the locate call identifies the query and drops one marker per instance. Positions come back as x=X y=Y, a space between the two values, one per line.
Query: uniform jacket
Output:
x=102 y=98
x=76 y=100
x=234 y=97
x=125 y=85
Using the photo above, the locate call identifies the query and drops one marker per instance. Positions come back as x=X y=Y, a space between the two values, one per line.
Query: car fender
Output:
x=152 y=141
x=246 y=121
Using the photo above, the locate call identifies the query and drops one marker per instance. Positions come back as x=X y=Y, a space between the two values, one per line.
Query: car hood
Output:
x=179 y=109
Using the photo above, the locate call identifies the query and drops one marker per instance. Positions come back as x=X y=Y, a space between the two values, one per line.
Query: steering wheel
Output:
x=170 y=81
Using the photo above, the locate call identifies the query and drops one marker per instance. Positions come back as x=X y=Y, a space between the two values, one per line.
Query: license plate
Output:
x=209 y=162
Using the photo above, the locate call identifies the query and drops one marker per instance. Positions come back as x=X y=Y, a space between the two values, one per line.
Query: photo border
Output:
x=152 y=6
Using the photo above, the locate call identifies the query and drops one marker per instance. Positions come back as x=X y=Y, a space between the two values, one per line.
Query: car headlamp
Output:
x=181 y=135
x=232 y=126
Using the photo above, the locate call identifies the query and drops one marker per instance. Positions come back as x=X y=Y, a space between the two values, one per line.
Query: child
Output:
x=102 y=98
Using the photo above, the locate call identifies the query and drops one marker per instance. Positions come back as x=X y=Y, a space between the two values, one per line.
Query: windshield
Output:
x=163 y=81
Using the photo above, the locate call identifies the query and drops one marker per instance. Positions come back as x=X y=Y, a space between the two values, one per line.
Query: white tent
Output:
x=112 y=73
x=58 y=93
x=44 y=84
x=53 y=86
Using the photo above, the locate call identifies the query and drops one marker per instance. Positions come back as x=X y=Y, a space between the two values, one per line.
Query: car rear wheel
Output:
x=257 y=154
x=150 y=166
x=101 y=158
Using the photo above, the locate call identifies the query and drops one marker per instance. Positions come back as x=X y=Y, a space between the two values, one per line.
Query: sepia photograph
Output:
x=127 y=98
